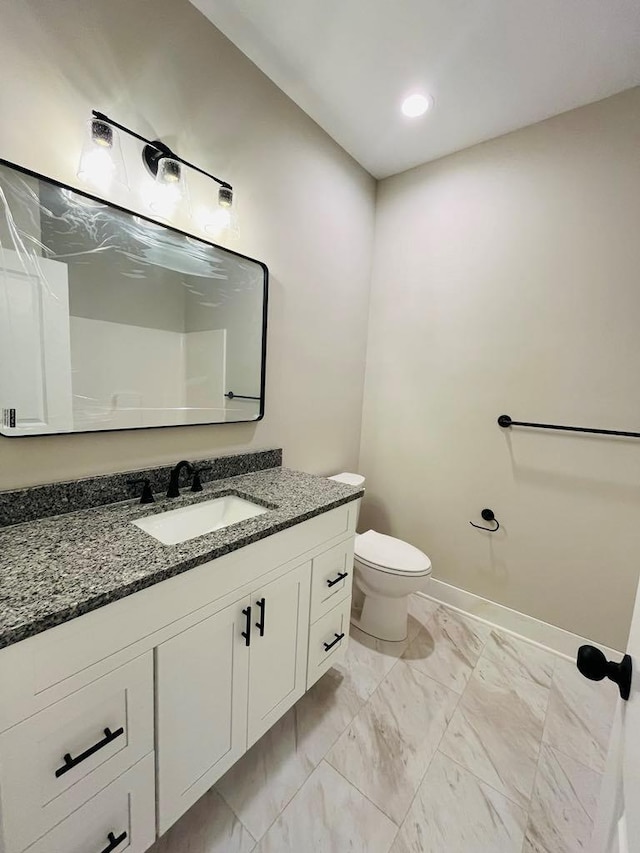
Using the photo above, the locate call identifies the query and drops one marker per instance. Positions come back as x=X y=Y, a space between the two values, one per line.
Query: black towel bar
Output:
x=233 y=396
x=505 y=422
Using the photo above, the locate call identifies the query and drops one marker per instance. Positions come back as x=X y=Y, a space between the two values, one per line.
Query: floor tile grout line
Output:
x=599 y=770
x=307 y=777
x=380 y=683
x=324 y=758
x=446 y=728
x=555 y=748
x=541 y=742
x=591 y=818
x=360 y=710
x=435 y=752
x=362 y=793
x=488 y=784
x=541 y=745
x=433 y=677
x=233 y=811
x=584 y=767
x=288 y=803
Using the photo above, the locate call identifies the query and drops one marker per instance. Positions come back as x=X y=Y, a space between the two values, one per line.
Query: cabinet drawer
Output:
x=325 y=649
x=332 y=575
x=120 y=818
x=54 y=762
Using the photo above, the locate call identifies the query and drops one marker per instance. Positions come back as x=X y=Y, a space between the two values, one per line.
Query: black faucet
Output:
x=147 y=494
x=173 y=491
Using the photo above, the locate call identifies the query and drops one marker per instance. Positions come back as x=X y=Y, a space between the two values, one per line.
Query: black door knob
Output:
x=593 y=664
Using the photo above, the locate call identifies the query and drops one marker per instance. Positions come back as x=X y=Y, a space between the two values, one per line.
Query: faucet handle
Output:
x=196 y=484
x=147 y=494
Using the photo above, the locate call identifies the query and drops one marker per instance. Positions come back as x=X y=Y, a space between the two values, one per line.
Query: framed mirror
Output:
x=111 y=320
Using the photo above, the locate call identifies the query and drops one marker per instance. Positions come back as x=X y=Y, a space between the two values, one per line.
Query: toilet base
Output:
x=383 y=618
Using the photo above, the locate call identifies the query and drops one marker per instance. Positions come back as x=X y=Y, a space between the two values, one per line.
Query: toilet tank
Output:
x=349 y=479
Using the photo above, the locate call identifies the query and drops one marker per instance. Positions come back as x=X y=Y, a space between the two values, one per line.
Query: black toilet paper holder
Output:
x=488 y=515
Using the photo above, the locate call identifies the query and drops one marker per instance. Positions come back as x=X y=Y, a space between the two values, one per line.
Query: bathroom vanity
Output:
x=134 y=674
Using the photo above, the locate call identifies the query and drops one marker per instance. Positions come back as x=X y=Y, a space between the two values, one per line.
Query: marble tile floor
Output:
x=462 y=739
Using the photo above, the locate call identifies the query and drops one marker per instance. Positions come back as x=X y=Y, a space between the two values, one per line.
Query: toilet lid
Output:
x=385 y=552
x=346 y=477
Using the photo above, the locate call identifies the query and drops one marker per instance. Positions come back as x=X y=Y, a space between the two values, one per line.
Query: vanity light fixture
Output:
x=101 y=160
x=164 y=166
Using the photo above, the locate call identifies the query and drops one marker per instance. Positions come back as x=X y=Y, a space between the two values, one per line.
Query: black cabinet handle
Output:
x=70 y=763
x=260 y=624
x=593 y=664
x=247 y=633
x=114 y=842
x=330 y=645
x=341 y=577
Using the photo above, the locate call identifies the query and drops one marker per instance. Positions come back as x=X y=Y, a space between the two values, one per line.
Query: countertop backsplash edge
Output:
x=50 y=499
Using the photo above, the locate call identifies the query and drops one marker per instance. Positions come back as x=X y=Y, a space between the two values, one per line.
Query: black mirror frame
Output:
x=263 y=369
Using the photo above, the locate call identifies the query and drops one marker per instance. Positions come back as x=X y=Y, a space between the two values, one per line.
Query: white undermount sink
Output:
x=179 y=525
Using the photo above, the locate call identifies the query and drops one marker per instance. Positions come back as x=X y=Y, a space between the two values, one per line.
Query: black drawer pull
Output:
x=114 y=842
x=70 y=763
x=328 y=646
x=260 y=624
x=341 y=577
x=247 y=632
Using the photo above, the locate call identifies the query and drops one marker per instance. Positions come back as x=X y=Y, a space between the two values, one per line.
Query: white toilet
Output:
x=386 y=571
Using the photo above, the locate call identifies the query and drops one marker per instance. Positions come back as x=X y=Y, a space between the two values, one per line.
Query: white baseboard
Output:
x=527 y=627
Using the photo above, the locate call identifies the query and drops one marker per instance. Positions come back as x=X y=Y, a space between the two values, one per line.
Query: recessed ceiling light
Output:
x=416 y=105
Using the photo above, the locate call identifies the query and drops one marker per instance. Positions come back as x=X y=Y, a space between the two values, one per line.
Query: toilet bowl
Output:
x=386 y=572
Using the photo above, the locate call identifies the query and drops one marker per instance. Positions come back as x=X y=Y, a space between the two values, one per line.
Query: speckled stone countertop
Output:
x=54 y=569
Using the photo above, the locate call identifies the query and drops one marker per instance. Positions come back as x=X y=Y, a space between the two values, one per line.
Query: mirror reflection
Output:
x=110 y=321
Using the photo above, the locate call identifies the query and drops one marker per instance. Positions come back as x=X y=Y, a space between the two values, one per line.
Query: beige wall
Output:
x=506 y=280
x=305 y=208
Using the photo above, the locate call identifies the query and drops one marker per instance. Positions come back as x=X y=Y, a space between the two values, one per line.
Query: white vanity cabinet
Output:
x=223 y=682
x=113 y=724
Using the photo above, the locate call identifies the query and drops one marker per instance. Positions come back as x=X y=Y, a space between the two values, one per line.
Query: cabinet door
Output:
x=201 y=684
x=278 y=651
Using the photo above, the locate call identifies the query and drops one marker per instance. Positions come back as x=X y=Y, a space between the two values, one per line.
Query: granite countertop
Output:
x=54 y=569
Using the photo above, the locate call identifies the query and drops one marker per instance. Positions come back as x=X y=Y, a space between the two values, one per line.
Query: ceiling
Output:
x=492 y=66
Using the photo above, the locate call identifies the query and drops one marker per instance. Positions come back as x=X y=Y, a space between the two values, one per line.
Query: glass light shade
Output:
x=101 y=161
x=168 y=188
x=218 y=221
